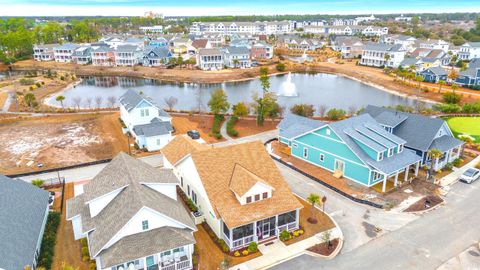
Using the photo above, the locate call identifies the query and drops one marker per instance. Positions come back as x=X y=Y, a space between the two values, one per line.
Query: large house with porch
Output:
x=132 y=219
x=382 y=55
x=150 y=125
x=238 y=189
x=44 y=52
x=358 y=148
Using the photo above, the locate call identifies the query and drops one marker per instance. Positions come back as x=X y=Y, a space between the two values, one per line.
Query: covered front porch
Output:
x=261 y=230
x=448 y=156
x=174 y=259
x=392 y=179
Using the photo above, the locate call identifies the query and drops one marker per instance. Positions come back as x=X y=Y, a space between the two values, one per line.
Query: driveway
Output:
x=424 y=243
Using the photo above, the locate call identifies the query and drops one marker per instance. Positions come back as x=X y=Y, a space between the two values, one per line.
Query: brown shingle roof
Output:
x=200 y=43
x=243 y=180
x=216 y=166
x=181 y=146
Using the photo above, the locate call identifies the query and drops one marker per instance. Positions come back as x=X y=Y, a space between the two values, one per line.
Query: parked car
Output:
x=193 y=134
x=51 y=198
x=470 y=175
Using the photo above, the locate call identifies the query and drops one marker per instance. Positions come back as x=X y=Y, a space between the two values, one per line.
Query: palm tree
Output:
x=60 y=99
x=433 y=153
x=454 y=87
x=313 y=199
x=235 y=63
x=441 y=83
x=419 y=80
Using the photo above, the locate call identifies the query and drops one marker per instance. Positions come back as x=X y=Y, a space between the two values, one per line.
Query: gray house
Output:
x=421 y=134
x=156 y=56
x=434 y=74
x=23 y=215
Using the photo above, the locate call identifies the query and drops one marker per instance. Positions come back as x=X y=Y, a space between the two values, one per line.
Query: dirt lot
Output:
x=425 y=203
x=58 y=141
x=203 y=123
x=248 y=126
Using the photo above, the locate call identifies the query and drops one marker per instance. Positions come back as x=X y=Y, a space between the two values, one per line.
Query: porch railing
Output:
x=287 y=227
x=242 y=241
x=181 y=265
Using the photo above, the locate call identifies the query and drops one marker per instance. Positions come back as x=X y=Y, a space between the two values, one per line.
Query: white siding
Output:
x=77 y=227
x=96 y=205
x=169 y=190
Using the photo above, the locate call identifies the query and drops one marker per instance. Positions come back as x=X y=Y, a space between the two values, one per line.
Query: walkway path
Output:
x=8 y=102
x=223 y=129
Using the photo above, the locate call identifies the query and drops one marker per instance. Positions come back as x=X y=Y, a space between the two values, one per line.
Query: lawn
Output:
x=465 y=125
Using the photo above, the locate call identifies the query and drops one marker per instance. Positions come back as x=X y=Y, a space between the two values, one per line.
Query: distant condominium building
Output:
x=254 y=28
x=349 y=30
x=151 y=29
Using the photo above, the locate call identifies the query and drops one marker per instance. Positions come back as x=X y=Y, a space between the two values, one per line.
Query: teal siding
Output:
x=334 y=147
x=369 y=151
x=284 y=141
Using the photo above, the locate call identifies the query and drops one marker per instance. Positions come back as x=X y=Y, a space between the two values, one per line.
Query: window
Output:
x=328 y=131
x=146 y=112
x=390 y=152
x=181 y=181
x=265 y=195
x=400 y=148
x=380 y=156
x=188 y=190
x=376 y=176
x=142 y=113
x=145 y=225
x=158 y=141
x=257 y=197
x=194 y=197
x=249 y=199
x=294 y=145
x=305 y=152
x=322 y=157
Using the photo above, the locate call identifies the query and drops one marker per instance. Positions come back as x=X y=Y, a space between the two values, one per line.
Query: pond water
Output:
x=317 y=89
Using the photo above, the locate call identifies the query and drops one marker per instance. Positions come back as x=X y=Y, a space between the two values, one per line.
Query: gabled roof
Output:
x=408 y=61
x=390 y=119
x=439 y=71
x=243 y=180
x=370 y=46
x=67 y=46
x=210 y=51
x=132 y=176
x=417 y=130
x=132 y=98
x=293 y=125
x=23 y=209
x=200 y=43
x=215 y=167
x=127 y=48
x=157 y=52
x=155 y=128
x=180 y=147
x=238 y=50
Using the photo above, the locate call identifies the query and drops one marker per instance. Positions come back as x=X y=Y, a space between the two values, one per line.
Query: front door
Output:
x=150 y=262
x=266 y=229
x=339 y=165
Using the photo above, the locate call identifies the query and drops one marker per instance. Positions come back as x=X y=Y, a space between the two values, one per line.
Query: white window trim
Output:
x=380 y=156
x=390 y=152
x=400 y=148
x=294 y=145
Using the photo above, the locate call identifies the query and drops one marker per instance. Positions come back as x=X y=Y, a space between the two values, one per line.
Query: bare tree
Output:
x=322 y=110
x=171 y=102
x=98 y=101
x=77 y=101
x=352 y=110
x=89 y=102
x=111 y=101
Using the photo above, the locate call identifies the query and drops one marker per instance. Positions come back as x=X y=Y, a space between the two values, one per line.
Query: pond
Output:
x=318 y=89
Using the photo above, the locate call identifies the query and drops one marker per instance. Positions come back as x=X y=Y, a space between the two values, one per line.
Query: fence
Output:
x=60 y=169
x=346 y=195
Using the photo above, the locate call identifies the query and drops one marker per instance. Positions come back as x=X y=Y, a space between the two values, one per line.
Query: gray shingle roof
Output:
x=155 y=128
x=293 y=125
x=391 y=119
x=145 y=244
x=132 y=98
x=127 y=48
x=382 y=47
x=408 y=61
x=157 y=52
x=439 y=71
x=445 y=143
x=240 y=50
x=419 y=131
x=22 y=212
x=131 y=174
x=67 y=46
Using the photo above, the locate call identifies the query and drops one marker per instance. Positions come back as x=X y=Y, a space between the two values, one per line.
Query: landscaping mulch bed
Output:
x=425 y=203
x=323 y=248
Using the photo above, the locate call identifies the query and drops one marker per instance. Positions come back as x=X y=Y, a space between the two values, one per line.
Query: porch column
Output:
x=406 y=173
x=297 y=218
x=396 y=179
x=384 y=187
x=416 y=168
x=255 y=235
x=230 y=237
x=276 y=226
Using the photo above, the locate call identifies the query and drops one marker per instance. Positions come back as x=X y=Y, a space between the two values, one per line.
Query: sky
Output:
x=228 y=7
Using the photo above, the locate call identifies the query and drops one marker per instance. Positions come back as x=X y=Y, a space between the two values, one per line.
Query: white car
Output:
x=470 y=175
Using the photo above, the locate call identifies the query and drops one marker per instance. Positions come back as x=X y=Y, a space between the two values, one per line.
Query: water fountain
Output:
x=287 y=88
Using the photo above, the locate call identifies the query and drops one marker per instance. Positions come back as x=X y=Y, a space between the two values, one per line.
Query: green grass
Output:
x=465 y=125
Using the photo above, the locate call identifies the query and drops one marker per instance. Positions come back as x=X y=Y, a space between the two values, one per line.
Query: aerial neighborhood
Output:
x=189 y=141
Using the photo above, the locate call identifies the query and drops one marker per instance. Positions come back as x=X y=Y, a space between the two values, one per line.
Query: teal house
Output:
x=358 y=148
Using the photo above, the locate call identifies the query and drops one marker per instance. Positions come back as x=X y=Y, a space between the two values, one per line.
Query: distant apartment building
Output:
x=366 y=30
x=341 y=22
x=44 y=52
x=63 y=53
x=365 y=19
x=156 y=29
x=382 y=55
x=253 y=28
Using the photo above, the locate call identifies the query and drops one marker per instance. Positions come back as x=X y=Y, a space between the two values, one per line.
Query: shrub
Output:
x=280 y=67
x=37 y=182
x=217 y=120
x=48 y=242
x=38 y=84
x=84 y=251
x=92 y=265
x=306 y=110
x=253 y=247
x=236 y=253
x=451 y=98
x=32 y=87
x=85 y=258
x=192 y=205
x=223 y=245
x=62 y=78
x=477 y=166
x=471 y=107
x=457 y=162
x=301 y=232
x=230 y=130
x=296 y=234
x=336 y=114
x=285 y=235
x=448 y=166
x=447 y=108
x=25 y=81
x=245 y=252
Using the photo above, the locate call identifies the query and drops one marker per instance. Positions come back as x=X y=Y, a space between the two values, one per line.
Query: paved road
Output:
x=425 y=243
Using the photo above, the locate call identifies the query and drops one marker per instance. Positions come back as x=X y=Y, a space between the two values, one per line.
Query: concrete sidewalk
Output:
x=457 y=172
x=279 y=252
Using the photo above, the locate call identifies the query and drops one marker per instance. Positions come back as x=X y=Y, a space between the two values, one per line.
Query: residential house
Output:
x=197 y=44
x=238 y=190
x=237 y=57
x=407 y=42
x=63 y=53
x=180 y=46
x=469 y=51
x=23 y=215
x=414 y=62
x=216 y=40
x=146 y=121
x=433 y=44
x=103 y=56
x=349 y=47
x=210 y=59
x=357 y=148
x=434 y=74
x=155 y=29
x=382 y=55
x=470 y=76
x=132 y=219
x=156 y=56
x=44 y=52
x=113 y=41
x=82 y=55
x=128 y=55
x=421 y=133
x=261 y=50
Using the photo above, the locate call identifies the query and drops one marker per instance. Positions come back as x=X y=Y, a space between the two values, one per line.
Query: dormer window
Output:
x=400 y=148
x=390 y=152
x=145 y=225
x=380 y=156
x=249 y=199
x=257 y=197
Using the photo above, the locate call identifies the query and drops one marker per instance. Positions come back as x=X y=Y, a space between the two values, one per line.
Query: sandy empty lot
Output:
x=57 y=141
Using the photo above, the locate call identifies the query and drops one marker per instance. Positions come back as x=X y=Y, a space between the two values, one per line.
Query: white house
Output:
x=407 y=42
x=382 y=55
x=238 y=189
x=128 y=55
x=469 y=51
x=63 y=53
x=147 y=122
x=237 y=57
x=44 y=52
x=132 y=219
x=434 y=44
x=210 y=59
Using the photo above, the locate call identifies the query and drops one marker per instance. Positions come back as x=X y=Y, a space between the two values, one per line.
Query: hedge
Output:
x=47 y=249
x=230 y=130
x=217 y=121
